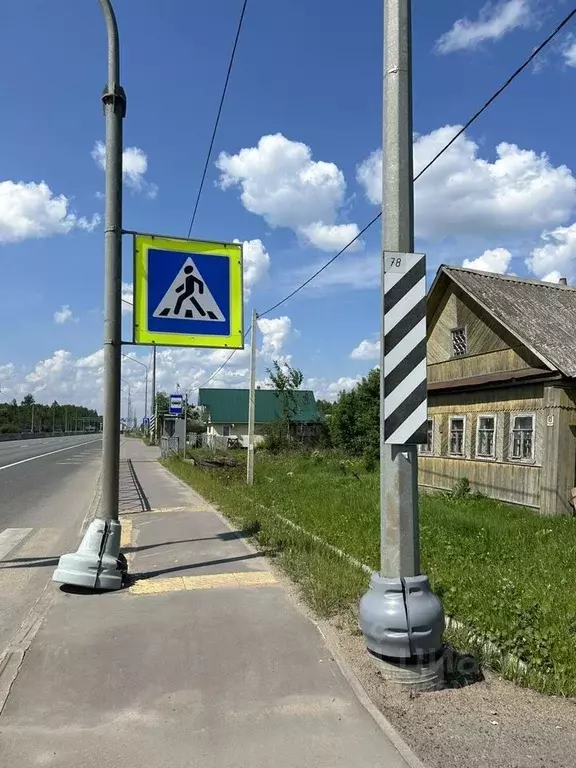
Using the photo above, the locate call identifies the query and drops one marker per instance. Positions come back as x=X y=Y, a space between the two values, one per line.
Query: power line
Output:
x=223 y=96
x=225 y=363
x=464 y=128
x=467 y=125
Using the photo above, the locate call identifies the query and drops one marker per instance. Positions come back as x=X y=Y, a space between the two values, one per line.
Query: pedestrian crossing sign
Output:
x=188 y=293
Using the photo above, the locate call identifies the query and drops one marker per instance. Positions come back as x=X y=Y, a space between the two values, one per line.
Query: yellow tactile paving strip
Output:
x=207 y=581
x=126 y=533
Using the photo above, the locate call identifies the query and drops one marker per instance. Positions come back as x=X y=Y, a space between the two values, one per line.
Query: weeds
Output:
x=502 y=571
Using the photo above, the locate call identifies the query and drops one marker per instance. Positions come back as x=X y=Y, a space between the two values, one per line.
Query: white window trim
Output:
x=422 y=448
x=458 y=328
x=229 y=428
x=464 y=420
x=511 y=457
x=477 y=455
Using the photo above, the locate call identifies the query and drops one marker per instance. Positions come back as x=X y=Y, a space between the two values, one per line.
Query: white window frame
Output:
x=463 y=328
x=423 y=448
x=224 y=428
x=477 y=454
x=450 y=453
x=511 y=457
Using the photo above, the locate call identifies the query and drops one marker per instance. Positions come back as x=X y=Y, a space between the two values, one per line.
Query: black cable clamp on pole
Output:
x=115 y=96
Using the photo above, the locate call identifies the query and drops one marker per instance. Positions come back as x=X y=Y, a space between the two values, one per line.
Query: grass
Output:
x=505 y=573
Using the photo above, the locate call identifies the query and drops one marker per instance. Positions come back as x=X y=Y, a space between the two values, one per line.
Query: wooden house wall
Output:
x=491 y=348
x=500 y=477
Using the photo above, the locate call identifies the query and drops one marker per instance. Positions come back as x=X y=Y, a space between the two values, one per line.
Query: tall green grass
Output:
x=505 y=573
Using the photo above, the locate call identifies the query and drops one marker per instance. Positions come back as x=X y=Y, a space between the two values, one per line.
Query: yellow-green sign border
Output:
x=232 y=251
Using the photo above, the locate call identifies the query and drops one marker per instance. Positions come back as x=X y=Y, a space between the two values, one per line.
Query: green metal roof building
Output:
x=230 y=406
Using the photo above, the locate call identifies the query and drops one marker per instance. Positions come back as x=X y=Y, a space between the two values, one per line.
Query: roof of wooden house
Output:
x=541 y=315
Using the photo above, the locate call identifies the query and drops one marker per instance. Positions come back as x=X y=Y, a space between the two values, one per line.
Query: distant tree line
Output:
x=30 y=416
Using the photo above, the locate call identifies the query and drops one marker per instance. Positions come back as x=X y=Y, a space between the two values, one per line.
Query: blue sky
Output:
x=305 y=89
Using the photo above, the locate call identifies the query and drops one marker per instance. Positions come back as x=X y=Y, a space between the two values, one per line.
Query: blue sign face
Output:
x=176 y=404
x=188 y=293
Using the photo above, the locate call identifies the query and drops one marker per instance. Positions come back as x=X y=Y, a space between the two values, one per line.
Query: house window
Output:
x=485 y=437
x=226 y=430
x=428 y=446
x=457 y=435
x=522 y=438
x=459 y=342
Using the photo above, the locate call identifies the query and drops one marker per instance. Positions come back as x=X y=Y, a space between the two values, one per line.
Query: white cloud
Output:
x=79 y=380
x=64 y=315
x=330 y=237
x=569 y=52
x=366 y=350
x=280 y=182
x=463 y=194
x=275 y=332
x=494 y=21
x=31 y=210
x=552 y=277
x=557 y=256
x=134 y=167
x=256 y=264
x=329 y=390
x=127 y=298
x=495 y=260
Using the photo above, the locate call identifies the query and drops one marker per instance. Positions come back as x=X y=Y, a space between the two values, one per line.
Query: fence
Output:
x=169 y=446
x=214 y=442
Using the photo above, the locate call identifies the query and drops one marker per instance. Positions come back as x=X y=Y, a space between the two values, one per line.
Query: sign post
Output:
x=401 y=618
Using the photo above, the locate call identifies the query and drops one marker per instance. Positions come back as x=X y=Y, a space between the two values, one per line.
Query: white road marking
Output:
x=50 y=453
x=10 y=538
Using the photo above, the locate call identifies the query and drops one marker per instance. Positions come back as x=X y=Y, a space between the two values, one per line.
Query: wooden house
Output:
x=502 y=388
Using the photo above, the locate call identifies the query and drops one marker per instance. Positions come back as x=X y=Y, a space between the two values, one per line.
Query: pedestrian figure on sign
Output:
x=187 y=291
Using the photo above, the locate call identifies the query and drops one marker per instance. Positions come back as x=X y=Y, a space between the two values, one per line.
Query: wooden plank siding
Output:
x=500 y=361
x=500 y=478
x=485 y=335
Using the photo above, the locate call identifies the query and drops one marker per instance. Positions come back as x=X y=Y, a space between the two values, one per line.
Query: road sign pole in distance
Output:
x=188 y=293
x=402 y=620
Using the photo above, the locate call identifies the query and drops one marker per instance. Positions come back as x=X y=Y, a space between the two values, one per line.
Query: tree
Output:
x=162 y=403
x=355 y=419
x=28 y=400
x=325 y=407
x=285 y=381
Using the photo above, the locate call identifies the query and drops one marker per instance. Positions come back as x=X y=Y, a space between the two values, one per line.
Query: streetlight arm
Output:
x=113 y=45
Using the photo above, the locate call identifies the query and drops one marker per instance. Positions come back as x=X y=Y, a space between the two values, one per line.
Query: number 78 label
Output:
x=395 y=262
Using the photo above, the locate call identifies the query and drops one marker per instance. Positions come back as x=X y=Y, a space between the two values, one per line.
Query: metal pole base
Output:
x=417 y=674
x=402 y=621
x=98 y=563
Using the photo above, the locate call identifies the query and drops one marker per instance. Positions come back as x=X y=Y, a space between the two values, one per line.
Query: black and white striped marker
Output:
x=405 y=386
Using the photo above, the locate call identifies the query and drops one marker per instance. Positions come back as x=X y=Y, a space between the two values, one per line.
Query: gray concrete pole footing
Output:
x=97 y=563
x=403 y=621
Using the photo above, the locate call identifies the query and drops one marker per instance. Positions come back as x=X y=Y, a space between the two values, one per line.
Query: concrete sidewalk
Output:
x=204 y=662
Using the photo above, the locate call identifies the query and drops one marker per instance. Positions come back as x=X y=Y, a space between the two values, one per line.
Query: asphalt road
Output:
x=46 y=489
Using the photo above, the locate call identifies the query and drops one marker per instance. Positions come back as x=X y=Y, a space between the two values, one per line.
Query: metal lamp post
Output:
x=98 y=563
x=135 y=360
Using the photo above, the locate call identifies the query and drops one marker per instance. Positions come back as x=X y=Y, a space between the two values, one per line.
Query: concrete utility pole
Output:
x=401 y=618
x=98 y=563
x=252 y=400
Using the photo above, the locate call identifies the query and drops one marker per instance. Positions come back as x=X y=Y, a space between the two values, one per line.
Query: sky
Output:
x=294 y=175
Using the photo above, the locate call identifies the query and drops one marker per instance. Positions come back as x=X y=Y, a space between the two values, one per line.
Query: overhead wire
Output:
x=462 y=130
x=218 y=114
x=439 y=154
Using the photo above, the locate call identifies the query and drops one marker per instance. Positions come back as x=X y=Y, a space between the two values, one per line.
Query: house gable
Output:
x=491 y=347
